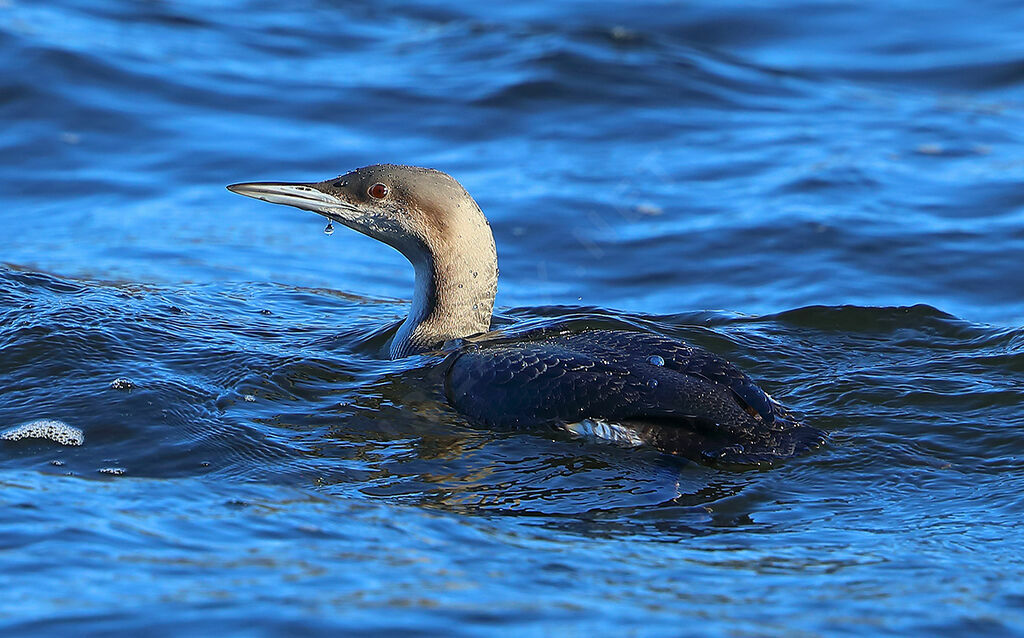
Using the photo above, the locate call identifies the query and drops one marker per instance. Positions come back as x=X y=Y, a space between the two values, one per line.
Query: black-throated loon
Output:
x=633 y=387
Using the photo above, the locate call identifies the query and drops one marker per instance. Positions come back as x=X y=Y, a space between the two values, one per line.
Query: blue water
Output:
x=829 y=194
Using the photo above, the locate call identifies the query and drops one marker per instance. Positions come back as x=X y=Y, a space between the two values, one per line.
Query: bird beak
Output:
x=297 y=194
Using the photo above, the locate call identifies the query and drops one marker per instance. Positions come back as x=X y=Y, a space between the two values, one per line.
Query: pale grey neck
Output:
x=456 y=281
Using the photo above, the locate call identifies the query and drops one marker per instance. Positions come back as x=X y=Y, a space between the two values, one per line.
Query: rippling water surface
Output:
x=828 y=194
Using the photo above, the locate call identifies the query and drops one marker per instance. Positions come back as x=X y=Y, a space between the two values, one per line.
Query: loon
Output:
x=631 y=387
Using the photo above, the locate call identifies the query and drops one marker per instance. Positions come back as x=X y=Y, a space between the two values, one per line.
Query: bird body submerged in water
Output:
x=632 y=387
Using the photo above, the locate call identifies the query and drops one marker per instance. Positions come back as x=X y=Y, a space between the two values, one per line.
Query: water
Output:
x=828 y=194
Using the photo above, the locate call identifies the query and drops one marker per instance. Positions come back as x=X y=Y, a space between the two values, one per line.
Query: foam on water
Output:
x=56 y=431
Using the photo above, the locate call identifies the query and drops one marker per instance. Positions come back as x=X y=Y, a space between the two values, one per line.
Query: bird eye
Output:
x=378 y=191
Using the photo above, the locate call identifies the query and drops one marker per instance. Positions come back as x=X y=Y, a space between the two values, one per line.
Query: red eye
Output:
x=378 y=191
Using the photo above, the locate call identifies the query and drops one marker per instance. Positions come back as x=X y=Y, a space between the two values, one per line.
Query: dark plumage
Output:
x=678 y=398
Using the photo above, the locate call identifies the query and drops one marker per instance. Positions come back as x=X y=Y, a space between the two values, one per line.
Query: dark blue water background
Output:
x=830 y=194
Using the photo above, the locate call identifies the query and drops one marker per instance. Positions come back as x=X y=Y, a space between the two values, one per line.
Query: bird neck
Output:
x=456 y=281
